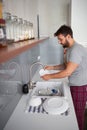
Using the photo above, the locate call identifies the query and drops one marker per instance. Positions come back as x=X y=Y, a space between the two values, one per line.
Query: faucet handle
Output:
x=32 y=84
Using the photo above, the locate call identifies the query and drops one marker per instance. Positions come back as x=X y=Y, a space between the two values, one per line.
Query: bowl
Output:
x=35 y=101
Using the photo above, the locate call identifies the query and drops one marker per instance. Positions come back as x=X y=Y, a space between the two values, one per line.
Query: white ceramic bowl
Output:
x=35 y=101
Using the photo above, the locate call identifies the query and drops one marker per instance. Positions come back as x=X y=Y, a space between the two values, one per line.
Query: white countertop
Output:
x=20 y=120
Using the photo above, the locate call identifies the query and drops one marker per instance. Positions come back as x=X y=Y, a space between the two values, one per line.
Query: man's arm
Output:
x=56 y=67
x=70 y=68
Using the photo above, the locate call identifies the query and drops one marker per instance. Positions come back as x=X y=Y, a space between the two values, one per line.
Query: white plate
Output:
x=55 y=105
x=43 y=72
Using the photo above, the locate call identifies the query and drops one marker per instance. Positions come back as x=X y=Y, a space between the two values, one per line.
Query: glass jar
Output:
x=19 y=28
x=30 y=27
x=14 y=27
x=7 y=17
x=25 y=29
x=2 y=33
x=31 y=31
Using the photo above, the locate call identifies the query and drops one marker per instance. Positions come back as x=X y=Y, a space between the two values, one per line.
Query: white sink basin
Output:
x=47 y=89
x=48 y=96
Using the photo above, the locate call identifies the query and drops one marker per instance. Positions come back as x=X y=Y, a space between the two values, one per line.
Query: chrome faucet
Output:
x=31 y=83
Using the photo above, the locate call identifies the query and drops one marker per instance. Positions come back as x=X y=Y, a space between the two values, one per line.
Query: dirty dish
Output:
x=44 y=92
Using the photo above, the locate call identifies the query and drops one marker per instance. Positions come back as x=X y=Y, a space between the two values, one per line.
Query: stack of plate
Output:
x=55 y=105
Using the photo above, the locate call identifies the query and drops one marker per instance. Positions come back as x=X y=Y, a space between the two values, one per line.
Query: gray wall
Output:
x=51 y=52
x=11 y=82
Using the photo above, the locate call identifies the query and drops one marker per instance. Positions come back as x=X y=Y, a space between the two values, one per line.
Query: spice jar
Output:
x=2 y=33
x=7 y=17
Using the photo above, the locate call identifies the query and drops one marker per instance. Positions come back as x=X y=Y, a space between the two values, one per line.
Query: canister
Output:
x=2 y=32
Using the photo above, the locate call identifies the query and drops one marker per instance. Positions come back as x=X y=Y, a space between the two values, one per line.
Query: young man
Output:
x=75 y=69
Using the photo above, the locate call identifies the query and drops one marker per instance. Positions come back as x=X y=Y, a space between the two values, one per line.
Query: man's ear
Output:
x=68 y=36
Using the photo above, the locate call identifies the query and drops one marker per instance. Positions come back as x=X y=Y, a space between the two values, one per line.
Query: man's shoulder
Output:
x=78 y=47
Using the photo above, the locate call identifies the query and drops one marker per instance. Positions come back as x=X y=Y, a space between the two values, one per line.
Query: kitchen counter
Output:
x=12 y=50
x=20 y=120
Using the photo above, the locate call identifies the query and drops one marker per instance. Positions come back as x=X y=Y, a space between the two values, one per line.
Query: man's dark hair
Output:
x=64 y=30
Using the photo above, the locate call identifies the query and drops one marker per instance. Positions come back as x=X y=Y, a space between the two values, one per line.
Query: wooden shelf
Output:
x=14 y=49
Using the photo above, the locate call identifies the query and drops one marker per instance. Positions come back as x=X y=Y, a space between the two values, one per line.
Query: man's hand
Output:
x=46 y=77
x=71 y=67
x=49 y=67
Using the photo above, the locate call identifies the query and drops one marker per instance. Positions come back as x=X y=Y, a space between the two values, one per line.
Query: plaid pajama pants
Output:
x=79 y=96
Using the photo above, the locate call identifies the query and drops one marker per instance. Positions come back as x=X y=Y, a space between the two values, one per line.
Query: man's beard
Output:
x=66 y=44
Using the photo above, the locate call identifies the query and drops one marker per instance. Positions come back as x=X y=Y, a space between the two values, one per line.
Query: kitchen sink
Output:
x=48 y=89
x=48 y=97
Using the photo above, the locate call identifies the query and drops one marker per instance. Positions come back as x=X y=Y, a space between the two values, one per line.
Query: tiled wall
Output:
x=15 y=73
x=51 y=52
x=17 y=69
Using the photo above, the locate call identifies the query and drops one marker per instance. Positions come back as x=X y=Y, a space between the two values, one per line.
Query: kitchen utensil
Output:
x=35 y=101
